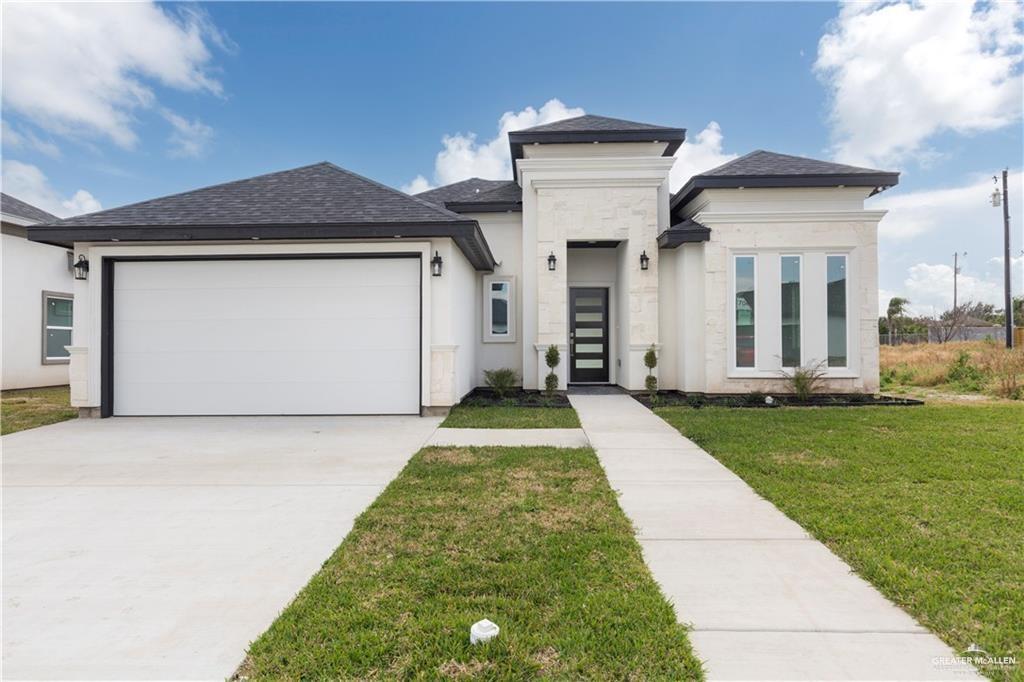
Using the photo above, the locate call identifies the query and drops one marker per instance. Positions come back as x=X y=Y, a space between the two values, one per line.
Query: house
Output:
x=318 y=291
x=37 y=301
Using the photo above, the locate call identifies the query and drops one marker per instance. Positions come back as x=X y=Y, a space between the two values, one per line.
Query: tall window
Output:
x=791 y=311
x=499 y=311
x=56 y=327
x=836 y=277
x=744 y=322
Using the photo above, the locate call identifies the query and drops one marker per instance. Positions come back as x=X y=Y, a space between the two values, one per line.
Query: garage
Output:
x=264 y=335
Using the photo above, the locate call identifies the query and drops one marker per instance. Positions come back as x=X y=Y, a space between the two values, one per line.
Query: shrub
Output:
x=695 y=401
x=651 y=382
x=551 y=358
x=805 y=381
x=1006 y=367
x=965 y=375
x=501 y=381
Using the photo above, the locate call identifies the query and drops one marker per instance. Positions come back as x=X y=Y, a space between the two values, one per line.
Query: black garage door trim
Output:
x=107 y=304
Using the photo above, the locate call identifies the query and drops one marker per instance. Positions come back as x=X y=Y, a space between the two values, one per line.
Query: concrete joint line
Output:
x=816 y=630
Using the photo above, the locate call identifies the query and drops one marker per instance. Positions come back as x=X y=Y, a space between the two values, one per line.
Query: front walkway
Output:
x=764 y=599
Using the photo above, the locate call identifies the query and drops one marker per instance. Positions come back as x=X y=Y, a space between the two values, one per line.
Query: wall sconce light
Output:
x=81 y=268
x=645 y=260
x=435 y=264
x=551 y=262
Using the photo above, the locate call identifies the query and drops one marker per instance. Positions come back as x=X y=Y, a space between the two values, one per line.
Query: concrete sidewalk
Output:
x=765 y=600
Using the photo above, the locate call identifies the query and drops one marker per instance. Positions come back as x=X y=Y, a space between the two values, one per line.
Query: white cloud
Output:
x=965 y=209
x=463 y=157
x=189 y=138
x=900 y=72
x=26 y=182
x=82 y=69
x=703 y=153
x=931 y=286
x=417 y=185
x=16 y=139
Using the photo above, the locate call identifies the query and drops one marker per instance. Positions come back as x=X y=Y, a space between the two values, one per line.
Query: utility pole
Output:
x=1007 y=293
x=956 y=271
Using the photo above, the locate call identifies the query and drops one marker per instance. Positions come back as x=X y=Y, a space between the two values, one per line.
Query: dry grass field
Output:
x=981 y=368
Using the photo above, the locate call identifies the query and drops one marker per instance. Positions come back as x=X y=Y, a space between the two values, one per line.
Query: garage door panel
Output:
x=307 y=335
x=315 y=336
x=339 y=303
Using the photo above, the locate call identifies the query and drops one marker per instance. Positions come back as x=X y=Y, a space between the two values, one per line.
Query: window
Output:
x=499 y=309
x=836 y=278
x=56 y=327
x=744 y=305
x=791 y=311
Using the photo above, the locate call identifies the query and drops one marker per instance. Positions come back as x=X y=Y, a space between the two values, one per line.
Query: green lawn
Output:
x=28 y=408
x=927 y=503
x=532 y=538
x=470 y=417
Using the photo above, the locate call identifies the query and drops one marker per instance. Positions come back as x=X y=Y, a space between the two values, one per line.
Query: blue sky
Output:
x=229 y=90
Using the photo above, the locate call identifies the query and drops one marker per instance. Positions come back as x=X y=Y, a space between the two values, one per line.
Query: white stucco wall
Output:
x=29 y=269
x=504 y=234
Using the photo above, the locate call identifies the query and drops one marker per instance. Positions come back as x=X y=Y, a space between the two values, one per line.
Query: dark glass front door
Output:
x=588 y=336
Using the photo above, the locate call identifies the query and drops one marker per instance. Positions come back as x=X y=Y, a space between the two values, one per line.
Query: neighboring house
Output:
x=37 y=301
x=316 y=290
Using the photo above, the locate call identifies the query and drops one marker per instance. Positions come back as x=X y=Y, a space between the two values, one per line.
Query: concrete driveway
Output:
x=158 y=548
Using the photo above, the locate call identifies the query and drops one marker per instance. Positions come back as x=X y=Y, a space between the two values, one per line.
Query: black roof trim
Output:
x=691 y=189
x=465 y=233
x=484 y=206
x=686 y=232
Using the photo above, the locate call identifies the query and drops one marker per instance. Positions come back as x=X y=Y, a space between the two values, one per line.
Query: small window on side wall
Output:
x=57 y=309
x=499 y=309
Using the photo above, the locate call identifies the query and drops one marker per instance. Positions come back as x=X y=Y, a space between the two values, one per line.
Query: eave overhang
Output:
x=686 y=232
x=484 y=206
x=673 y=137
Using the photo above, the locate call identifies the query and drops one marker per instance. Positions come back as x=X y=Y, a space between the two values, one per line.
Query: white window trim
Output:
x=734 y=369
x=838 y=369
x=44 y=358
x=803 y=310
x=489 y=337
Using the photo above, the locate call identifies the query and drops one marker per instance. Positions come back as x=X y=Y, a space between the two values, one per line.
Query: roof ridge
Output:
x=11 y=197
x=422 y=202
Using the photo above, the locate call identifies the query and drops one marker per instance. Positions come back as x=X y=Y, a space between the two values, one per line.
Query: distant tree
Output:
x=951 y=321
x=895 y=313
x=1018 y=311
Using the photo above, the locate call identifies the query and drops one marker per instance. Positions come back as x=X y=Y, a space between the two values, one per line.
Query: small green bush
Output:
x=805 y=381
x=651 y=381
x=755 y=398
x=501 y=381
x=695 y=401
x=964 y=375
x=551 y=358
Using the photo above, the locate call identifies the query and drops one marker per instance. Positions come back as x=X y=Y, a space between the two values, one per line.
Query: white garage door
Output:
x=303 y=336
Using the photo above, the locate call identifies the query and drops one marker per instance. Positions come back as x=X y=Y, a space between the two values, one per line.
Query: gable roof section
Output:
x=591 y=128
x=769 y=169
x=464 y=190
x=16 y=208
x=477 y=196
x=321 y=201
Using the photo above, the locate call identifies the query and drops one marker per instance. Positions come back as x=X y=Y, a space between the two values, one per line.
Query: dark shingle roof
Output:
x=590 y=128
x=769 y=169
x=477 y=196
x=321 y=201
x=319 y=194
x=684 y=232
x=20 y=209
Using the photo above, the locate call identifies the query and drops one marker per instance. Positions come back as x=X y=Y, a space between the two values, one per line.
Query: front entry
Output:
x=588 y=336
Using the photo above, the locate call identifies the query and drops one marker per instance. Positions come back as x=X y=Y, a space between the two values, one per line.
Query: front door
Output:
x=588 y=336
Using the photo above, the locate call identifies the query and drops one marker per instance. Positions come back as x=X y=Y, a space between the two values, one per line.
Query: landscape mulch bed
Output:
x=485 y=397
x=757 y=400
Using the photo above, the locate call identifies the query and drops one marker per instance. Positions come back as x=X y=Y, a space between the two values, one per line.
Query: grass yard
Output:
x=927 y=503
x=27 y=408
x=496 y=417
x=531 y=538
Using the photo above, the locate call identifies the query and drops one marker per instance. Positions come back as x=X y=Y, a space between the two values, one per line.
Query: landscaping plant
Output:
x=502 y=381
x=552 y=357
x=806 y=380
x=651 y=382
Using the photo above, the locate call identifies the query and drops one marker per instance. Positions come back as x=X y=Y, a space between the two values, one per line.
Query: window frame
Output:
x=846 y=298
x=800 y=283
x=733 y=366
x=488 y=335
x=47 y=295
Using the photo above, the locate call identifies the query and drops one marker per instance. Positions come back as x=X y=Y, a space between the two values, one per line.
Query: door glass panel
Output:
x=744 y=322
x=583 y=300
x=791 y=311
x=58 y=312
x=589 y=332
x=589 y=317
x=56 y=339
x=589 y=364
x=589 y=347
x=499 y=316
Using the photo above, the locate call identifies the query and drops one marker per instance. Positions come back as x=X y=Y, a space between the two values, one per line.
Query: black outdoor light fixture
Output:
x=81 y=268
x=551 y=262
x=645 y=260
x=435 y=264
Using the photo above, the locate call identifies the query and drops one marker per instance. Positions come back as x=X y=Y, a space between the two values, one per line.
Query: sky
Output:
x=110 y=103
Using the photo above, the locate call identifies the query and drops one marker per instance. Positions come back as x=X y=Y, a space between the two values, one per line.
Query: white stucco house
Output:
x=318 y=291
x=37 y=301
